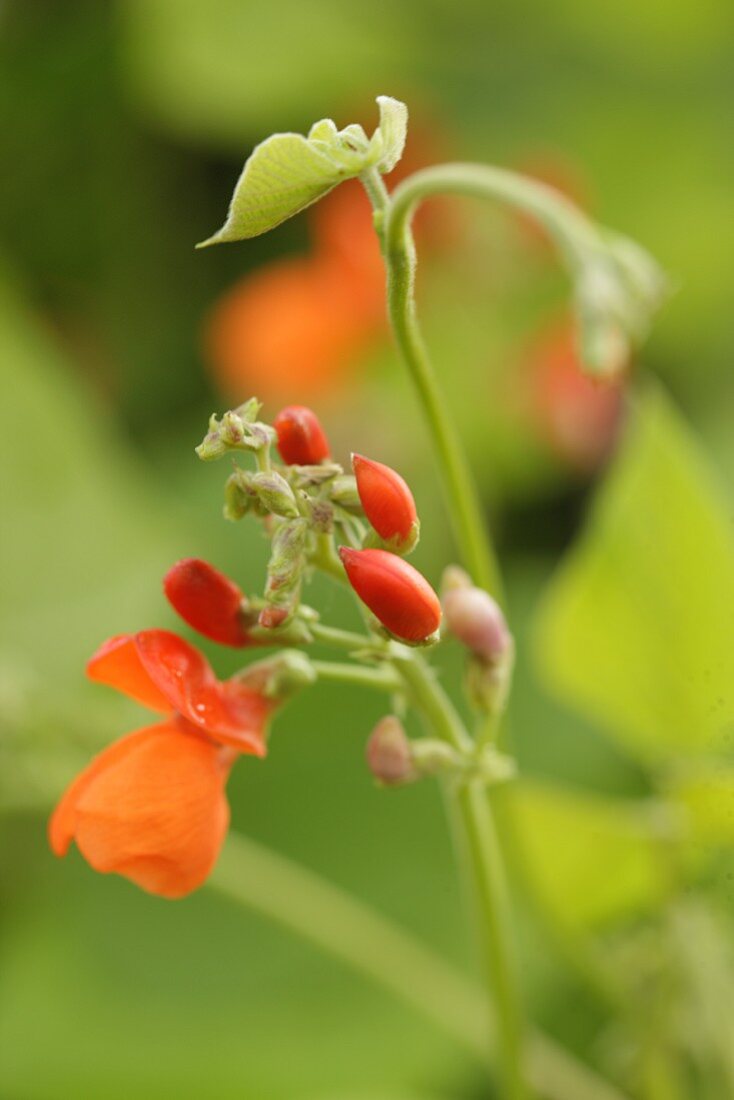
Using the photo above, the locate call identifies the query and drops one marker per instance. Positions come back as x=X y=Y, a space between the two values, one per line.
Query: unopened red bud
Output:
x=477 y=621
x=400 y=597
x=301 y=439
x=387 y=502
x=207 y=600
x=388 y=753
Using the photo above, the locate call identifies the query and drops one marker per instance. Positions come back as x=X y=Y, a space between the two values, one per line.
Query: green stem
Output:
x=575 y=235
x=480 y=852
x=483 y=870
x=382 y=679
x=340 y=639
x=300 y=900
x=465 y=505
x=483 y=863
x=430 y=698
x=327 y=560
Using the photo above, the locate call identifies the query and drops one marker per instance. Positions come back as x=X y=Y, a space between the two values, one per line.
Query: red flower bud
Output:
x=301 y=439
x=394 y=591
x=207 y=600
x=387 y=501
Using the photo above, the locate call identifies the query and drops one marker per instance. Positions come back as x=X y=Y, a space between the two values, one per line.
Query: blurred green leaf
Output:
x=84 y=536
x=706 y=792
x=592 y=859
x=637 y=628
x=224 y=70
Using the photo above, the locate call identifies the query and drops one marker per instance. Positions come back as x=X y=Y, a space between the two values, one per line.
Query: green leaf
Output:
x=637 y=629
x=706 y=793
x=284 y=175
x=288 y=172
x=592 y=859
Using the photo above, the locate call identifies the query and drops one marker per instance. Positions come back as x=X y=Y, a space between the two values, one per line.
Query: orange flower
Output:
x=167 y=674
x=152 y=806
x=288 y=330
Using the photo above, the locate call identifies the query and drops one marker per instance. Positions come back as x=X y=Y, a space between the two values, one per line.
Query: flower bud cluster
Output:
x=306 y=499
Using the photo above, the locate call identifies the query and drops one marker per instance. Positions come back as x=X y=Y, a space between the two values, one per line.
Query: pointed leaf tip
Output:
x=394 y=130
x=288 y=172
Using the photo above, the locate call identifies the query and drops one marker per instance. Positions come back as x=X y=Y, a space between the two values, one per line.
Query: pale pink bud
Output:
x=473 y=617
x=388 y=753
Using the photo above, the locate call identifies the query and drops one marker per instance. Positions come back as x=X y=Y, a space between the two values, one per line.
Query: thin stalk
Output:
x=482 y=864
x=381 y=679
x=340 y=639
x=574 y=234
x=480 y=853
x=430 y=698
x=327 y=560
x=460 y=489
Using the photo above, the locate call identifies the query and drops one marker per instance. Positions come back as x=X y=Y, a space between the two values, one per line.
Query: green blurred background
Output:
x=124 y=126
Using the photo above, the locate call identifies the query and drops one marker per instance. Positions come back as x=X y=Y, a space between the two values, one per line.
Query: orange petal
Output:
x=230 y=713
x=117 y=663
x=153 y=809
x=62 y=822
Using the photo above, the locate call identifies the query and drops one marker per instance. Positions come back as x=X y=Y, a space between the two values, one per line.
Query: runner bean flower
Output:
x=152 y=806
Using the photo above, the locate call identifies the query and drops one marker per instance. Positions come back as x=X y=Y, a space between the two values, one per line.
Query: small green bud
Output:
x=322 y=516
x=275 y=494
x=344 y=493
x=315 y=475
x=237 y=502
x=285 y=573
x=248 y=412
x=235 y=432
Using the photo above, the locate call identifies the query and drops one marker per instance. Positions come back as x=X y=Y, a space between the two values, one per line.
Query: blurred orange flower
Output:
x=577 y=415
x=560 y=172
x=295 y=328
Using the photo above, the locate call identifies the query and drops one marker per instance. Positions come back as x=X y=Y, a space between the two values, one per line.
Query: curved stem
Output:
x=382 y=679
x=430 y=699
x=575 y=235
x=459 y=486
